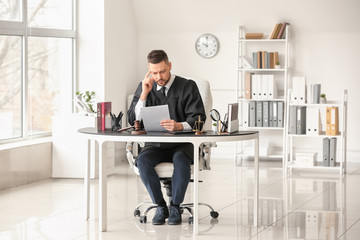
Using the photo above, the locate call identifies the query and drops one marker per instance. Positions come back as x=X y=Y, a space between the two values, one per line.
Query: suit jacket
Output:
x=185 y=105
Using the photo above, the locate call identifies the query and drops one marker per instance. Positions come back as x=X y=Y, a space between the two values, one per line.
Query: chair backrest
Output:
x=204 y=89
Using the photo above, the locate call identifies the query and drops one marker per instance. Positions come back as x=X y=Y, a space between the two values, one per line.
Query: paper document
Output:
x=152 y=116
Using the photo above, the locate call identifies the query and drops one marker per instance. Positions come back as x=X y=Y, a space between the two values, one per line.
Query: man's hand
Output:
x=147 y=84
x=171 y=125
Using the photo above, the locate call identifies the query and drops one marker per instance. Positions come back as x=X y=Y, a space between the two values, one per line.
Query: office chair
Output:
x=165 y=170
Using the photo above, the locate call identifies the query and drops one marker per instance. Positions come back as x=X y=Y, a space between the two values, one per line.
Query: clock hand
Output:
x=205 y=44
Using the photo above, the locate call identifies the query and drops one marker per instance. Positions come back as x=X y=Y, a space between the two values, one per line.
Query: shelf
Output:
x=261 y=40
x=329 y=104
x=261 y=128
x=268 y=100
x=262 y=69
x=313 y=136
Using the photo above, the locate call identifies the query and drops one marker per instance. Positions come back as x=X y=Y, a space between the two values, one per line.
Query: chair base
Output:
x=186 y=206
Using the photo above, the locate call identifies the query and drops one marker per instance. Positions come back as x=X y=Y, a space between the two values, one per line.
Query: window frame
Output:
x=20 y=28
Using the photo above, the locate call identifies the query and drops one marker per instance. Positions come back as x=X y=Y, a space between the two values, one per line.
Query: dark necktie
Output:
x=163 y=91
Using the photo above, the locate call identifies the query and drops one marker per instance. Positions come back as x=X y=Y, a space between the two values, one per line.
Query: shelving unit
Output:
x=317 y=139
x=270 y=136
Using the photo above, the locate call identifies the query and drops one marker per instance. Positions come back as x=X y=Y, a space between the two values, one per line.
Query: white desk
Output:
x=196 y=140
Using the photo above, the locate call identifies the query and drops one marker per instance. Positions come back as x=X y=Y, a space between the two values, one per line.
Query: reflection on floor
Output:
x=306 y=205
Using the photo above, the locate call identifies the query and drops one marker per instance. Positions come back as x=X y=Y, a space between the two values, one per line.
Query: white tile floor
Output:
x=306 y=206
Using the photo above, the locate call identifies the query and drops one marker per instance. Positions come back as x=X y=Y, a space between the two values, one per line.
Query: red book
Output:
x=103 y=116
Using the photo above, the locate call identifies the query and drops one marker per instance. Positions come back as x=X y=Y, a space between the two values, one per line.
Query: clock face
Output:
x=207 y=45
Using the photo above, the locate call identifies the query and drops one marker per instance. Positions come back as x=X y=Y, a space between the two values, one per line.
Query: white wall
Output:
x=120 y=52
x=90 y=47
x=325 y=42
x=106 y=50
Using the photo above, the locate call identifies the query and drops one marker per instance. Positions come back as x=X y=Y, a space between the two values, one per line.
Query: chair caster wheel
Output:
x=214 y=214
x=137 y=213
x=143 y=219
x=191 y=220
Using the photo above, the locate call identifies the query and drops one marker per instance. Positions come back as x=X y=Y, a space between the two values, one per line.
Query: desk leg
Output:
x=256 y=183
x=196 y=191
x=102 y=189
x=86 y=181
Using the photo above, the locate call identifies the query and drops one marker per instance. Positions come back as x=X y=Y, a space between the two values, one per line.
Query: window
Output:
x=36 y=65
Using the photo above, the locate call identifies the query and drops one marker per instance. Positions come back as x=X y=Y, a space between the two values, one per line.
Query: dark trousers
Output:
x=149 y=158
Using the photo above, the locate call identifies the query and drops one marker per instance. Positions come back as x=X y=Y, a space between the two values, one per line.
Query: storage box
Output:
x=306 y=159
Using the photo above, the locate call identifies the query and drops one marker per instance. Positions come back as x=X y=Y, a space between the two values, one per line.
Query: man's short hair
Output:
x=157 y=56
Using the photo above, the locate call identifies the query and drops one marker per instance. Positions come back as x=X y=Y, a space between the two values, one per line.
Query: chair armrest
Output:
x=205 y=155
x=132 y=151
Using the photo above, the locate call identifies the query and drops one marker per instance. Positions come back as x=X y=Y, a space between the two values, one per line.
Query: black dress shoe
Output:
x=175 y=216
x=161 y=214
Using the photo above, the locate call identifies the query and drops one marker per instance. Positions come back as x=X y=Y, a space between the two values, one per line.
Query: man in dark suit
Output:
x=182 y=96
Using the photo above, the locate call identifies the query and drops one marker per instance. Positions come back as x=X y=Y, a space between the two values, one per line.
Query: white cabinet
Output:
x=262 y=90
x=70 y=149
x=312 y=143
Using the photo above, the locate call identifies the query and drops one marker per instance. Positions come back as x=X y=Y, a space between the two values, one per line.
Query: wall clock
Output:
x=207 y=45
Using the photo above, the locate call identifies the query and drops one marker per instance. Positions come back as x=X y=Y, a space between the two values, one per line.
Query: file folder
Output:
x=316 y=91
x=255 y=84
x=334 y=123
x=274 y=116
x=245 y=114
x=312 y=121
x=271 y=87
x=298 y=94
x=300 y=120
x=264 y=86
x=271 y=114
x=309 y=94
x=328 y=120
x=259 y=119
x=326 y=152
x=266 y=114
x=252 y=114
x=280 y=114
x=332 y=155
x=292 y=120
x=247 y=85
x=255 y=60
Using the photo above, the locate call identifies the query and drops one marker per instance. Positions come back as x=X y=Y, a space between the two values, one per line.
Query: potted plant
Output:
x=323 y=98
x=214 y=126
x=84 y=101
x=277 y=65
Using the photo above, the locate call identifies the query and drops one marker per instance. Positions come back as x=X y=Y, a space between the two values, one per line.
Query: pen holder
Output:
x=116 y=121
